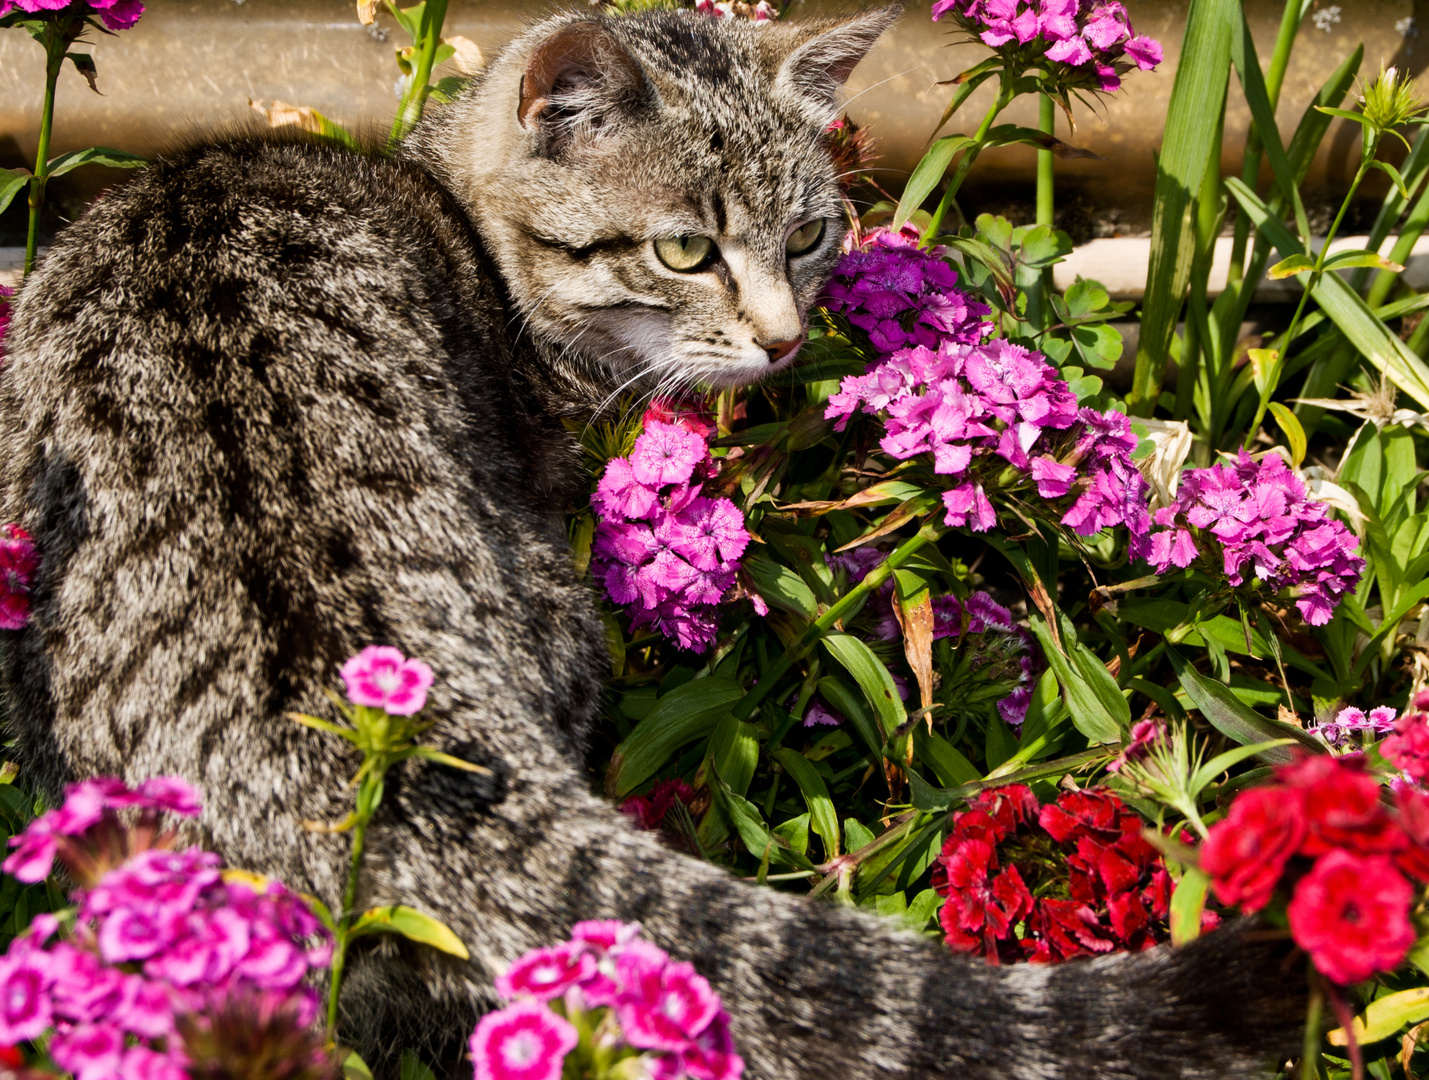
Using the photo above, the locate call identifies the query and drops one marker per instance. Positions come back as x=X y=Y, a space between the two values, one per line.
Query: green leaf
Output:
x=795 y=832
x=686 y=713
x=354 y=1068
x=1294 y=433
x=410 y=924
x=781 y=587
x=872 y=677
x=1043 y=246
x=1247 y=66
x=1088 y=713
x=816 y=797
x=96 y=155
x=735 y=749
x=749 y=824
x=856 y=835
x=1343 y=114
x=11 y=183
x=445 y=90
x=926 y=175
x=1187 y=904
x=413 y=1069
x=924 y=906
x=1100 y=345
x=851 y=703
x=1224 y=711
x=1296 y=264
x=1193 y=117
x=1223 y=762
x=1001 y=743
x=951 y=767
x=1346 y=260
x=1386 y=1016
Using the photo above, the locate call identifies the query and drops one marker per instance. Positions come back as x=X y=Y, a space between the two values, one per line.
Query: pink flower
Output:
x=968 y=505
x=663 y=1005
x=118 y=14
x=89 y=1051
x=1351 y=914
x=711 y=1056
x=171 y=793
x=382 y=678
x=666 y=454
x=6 y=294
x=605 y=935
x=19 y=563
x=544 y=974
x=525 y=1041
x=25 y=1007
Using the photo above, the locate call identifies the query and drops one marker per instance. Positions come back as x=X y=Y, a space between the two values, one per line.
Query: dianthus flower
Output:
x=978 y=409
x=19 y=563
x=1256 y=517
x=662 y=547
x=608 y=979
x=1081 y=43
x=1075 y=875
x=116 y=14
x=162 y=948
x=1408 y=747
x=1321 y=832
x=380 y=677
x=649 y=811
x=1352 y=721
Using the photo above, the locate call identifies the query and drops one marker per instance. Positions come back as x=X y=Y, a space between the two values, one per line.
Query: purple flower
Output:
x=1257 y=522
x=19 y=563
x=380 y=677
x=818 y=713
x=525 y=1041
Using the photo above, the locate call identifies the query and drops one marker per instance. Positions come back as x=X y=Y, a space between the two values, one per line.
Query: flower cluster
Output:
x=19 y=563
x=380 y=677
x=165 y=940
x=970 y=405
x=624 y=993
x=1408 y=747
x=1075 y=876
x=1320 y=832
x=661 y=546
x=116 y=14
x=1352 y=721
x=901 y=295
x=1258 y=515
x=1087 y=42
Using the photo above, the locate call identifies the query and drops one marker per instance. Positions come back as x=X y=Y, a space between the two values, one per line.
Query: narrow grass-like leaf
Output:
x=12 y=181
x=686 y=713
x=1187 y=904
x=1386 y=1016
x=1197 y=100
x=1294 y=433
x=96 y=155
x=926 y=175
x=1225 y=712
x=816 y=796
x=1247 y=66
x=872 y=677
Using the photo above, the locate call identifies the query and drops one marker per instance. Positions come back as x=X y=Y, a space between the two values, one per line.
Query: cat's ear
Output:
x=815 y=72
x=578 y=83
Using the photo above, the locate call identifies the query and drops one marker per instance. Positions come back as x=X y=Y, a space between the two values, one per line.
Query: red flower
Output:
x=1351 y=914
x=649 y=810
x=1066 y=929
x=1342 y=807
x=1246 y=852
x=1408 y=747
x=1413 y=806
x=978 y=902
x=1077 y=813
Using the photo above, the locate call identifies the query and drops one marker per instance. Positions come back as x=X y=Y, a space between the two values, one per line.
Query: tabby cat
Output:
x=271 y=402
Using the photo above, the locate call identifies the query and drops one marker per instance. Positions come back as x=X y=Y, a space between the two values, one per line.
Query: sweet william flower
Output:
x=1351 y=914
x=525 y=1041
x=544 y=974
x=663 y=1005
x=1246 y=852
x=380 y=677
x=19 y=563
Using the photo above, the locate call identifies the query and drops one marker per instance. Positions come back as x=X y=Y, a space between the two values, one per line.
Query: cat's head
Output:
x=657 y=189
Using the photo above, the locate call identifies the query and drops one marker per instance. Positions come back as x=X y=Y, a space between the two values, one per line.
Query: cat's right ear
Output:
x=815 y=72
x=577 y=85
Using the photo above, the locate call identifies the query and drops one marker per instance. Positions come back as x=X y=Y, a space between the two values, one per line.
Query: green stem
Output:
x=1047 y=124
x=56 y=44
x=1310 y=1049
x=349 y=903
x=1004 y=97
x=1316 y=274
x=821 y=626
x=414 y=99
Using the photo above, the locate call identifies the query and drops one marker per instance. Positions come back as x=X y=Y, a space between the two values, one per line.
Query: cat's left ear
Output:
x=815 y=72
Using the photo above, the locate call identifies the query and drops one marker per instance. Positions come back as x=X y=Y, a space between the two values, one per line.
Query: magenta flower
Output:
x=666 y=454
x=546 y=973
x=25 y=1008
x=6 y=294
x=380 y=677
x=663 y=1005
x=19 y=563
x=89 y=1051
x=525 y=1041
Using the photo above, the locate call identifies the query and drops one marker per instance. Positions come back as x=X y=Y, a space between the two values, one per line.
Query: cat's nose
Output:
x=781 y=349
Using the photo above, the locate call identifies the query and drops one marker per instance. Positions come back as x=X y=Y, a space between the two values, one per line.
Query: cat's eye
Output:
x=685 y=253
x=803 y=239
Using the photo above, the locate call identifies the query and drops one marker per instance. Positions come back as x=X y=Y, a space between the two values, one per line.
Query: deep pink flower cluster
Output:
x=968 y=405
x=661 y=546
x=1090 y=41
x=1321 y=833
x=1258 y=515
x=380 y=677
x=1049 y=883
x=19 y=563
x=647 y=1004
x=901 y=295
x=158 y=938
x=116 y=14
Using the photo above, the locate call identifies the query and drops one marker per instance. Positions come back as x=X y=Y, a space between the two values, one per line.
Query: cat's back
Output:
x=255 y=402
